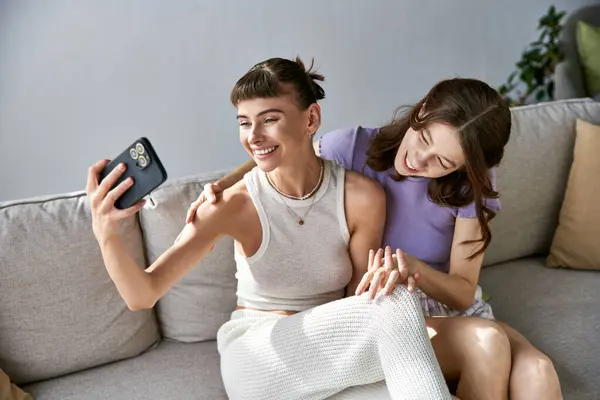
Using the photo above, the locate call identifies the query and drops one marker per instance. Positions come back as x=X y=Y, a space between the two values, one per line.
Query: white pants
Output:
x=318 y=353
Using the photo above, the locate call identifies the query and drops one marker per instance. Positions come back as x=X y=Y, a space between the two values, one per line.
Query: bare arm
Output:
x=455 y=289
x=366 y=213
x=141 y=289
x=236 y=175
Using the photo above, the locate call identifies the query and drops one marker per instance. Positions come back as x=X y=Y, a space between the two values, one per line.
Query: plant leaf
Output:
x=535 y=68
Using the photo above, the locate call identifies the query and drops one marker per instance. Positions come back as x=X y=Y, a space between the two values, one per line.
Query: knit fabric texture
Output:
x=317 y=353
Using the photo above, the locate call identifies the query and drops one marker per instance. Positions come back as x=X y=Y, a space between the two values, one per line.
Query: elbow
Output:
x=139 y=305
x=143 y=297
x=136 y=306
x=462 y=296
x=462 y=305
x=464 y=302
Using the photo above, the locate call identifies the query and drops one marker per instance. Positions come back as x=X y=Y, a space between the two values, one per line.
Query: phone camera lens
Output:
x=142 y=161
x=133 y=153
x=140 y=148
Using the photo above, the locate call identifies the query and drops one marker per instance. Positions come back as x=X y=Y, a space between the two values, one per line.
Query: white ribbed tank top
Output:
x=296 y=267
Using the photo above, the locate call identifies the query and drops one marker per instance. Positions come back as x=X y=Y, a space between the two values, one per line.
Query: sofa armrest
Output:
x=568 y=81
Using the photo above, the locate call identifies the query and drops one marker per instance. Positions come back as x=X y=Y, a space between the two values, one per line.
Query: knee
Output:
x=489 y=336
x=400 y=305
x=400 y=300
x=485 y=340
x=535 y=366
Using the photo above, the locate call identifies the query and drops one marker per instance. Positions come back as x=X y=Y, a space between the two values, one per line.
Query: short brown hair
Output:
x=279 y=76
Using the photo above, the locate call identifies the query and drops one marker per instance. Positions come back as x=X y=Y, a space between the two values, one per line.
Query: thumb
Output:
x=122 y=214
x=188 y=216
x=217 y=190
x=211 y=192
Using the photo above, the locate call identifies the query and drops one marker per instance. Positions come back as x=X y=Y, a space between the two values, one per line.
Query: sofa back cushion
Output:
x=196 y=306
x=533 y=175
x=590 y=14
x=59 y=310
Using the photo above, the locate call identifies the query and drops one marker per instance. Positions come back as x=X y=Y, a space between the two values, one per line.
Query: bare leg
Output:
x=533 y=375
x=475 y=352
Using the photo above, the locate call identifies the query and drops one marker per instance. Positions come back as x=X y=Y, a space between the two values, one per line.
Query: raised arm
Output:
x=236 y=175
x=138 y=287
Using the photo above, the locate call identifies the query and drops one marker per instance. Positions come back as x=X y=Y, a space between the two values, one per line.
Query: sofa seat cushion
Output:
x=556 y=310
x=171 y=371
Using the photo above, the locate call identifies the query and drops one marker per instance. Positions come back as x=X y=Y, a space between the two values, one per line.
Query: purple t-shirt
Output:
x=414 y=223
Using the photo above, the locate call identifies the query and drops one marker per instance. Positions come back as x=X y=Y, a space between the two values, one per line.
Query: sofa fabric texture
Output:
x=66 y=334
x=59 y=310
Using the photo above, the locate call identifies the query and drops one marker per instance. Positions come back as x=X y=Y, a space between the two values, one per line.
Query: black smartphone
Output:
x=143 y=165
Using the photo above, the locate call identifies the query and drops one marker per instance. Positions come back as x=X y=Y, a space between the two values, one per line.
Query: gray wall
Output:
x=80 y=80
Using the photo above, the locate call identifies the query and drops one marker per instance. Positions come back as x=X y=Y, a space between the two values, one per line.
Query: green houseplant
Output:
x=534 y=77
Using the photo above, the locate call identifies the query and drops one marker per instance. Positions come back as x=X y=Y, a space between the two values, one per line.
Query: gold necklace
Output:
x=299 y=219
x=306 y=196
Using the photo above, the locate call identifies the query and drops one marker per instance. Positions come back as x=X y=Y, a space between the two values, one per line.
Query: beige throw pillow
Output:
x=9 y=391
x=576 y=242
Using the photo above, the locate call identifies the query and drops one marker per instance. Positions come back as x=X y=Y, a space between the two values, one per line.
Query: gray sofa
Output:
x=66 y=334
x=569 y=78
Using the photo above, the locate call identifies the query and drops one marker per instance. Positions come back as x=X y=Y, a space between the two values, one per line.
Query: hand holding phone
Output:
x=143 y=166
x=116 y=188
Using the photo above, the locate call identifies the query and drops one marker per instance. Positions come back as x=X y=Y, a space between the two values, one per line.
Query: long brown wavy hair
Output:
x=483 y=121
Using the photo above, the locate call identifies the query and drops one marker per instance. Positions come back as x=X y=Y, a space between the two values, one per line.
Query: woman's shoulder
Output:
x=349 y=134
x=343 y=144
x=235 y=198
x=357 y=182
x=364 y=196
x=470 y=210
x=224 y=215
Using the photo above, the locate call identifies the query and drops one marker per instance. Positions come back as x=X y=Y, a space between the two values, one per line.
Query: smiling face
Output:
x=432 y=152
x=274 y=129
